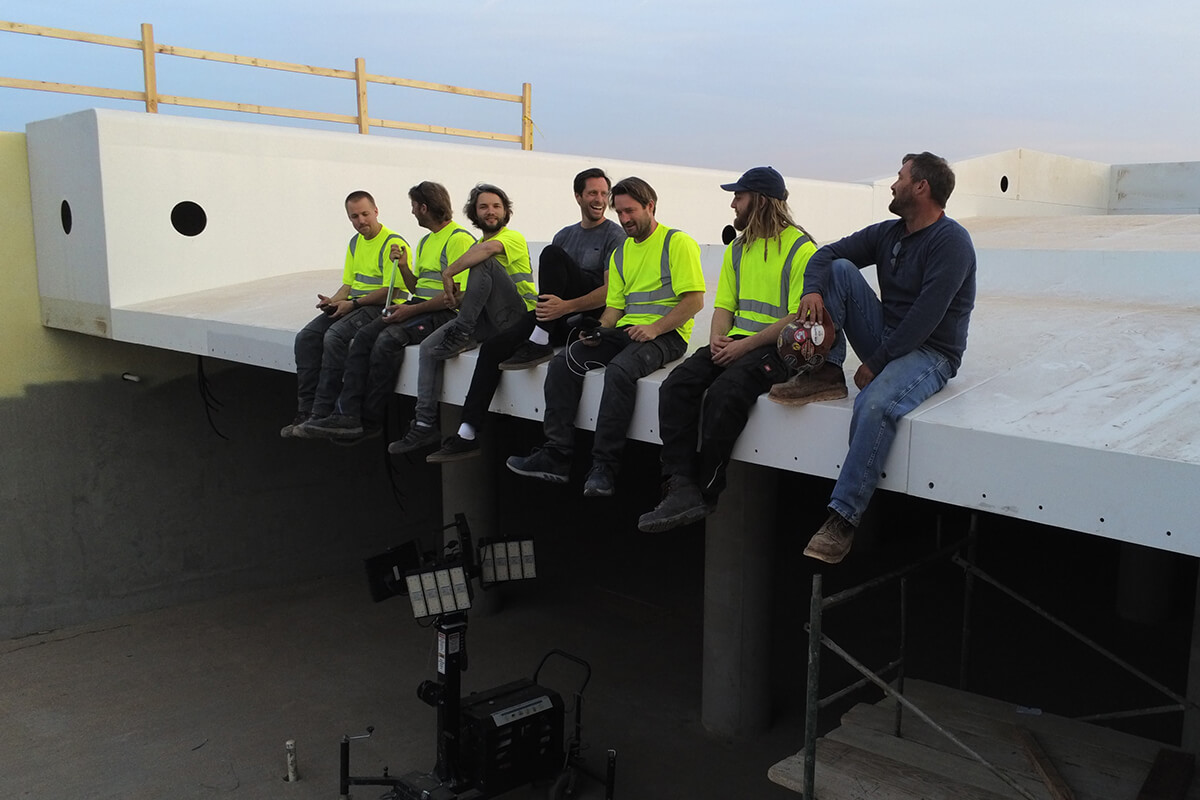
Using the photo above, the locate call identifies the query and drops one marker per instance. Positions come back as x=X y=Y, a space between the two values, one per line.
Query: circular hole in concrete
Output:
x=188 y=218
x=931 y=484
x=65 y=212
x=1004 y=183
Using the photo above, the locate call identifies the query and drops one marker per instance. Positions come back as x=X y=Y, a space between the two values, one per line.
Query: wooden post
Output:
x=360 y=83
x=526 y=117
x=148 y=68
x=1055 y=784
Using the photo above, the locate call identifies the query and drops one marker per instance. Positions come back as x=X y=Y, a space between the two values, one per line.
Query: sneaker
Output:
x=826 y=382
x=528 y=355
x=455 y=341
x=832 y=541
x=682 y=504
x=541 y=464
x=335 y=426
x=600 y=481
x=454 y=448
x=418 y=437
x=289 y=431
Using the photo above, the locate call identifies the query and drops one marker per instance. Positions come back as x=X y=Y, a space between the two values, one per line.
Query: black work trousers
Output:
x=558 y=274
x=687 y=413
x=625 y=362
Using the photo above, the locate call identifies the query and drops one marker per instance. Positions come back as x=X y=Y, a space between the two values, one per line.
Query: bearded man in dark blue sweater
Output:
x=910 y=339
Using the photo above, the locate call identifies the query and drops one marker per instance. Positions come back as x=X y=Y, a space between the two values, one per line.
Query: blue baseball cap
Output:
x=764 y=180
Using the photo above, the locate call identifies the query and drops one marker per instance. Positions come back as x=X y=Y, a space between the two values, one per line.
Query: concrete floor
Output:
x=198 y=701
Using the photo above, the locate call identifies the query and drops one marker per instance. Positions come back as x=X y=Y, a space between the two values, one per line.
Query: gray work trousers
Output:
x=490 y=305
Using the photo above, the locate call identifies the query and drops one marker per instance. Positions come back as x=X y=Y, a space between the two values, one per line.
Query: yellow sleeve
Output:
x=799 y=263
x=616 y=283
x=686 y=273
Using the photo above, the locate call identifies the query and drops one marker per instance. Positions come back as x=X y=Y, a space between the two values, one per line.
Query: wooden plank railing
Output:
x=151 y=96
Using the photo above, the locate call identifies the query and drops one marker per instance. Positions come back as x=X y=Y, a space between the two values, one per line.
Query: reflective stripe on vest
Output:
x=428 y=292
x=517 y=278
x=646 y=301
x=757 y=306
x=372 y=280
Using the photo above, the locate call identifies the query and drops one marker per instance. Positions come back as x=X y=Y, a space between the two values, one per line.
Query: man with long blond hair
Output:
x=761 y=278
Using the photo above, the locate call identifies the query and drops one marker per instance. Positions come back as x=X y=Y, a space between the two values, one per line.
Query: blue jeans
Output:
x=902 y=385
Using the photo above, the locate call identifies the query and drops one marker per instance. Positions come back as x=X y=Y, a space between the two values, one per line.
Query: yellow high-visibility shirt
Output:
x=435 y=252
x=646 y=278
x=762 y=283
x=515 y=260
x=368 y=263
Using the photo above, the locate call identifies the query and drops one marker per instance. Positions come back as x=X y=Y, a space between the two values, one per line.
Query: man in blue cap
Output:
x=761 y=278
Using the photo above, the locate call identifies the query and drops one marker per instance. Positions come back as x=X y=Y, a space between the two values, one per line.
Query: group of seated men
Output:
x=623 y=297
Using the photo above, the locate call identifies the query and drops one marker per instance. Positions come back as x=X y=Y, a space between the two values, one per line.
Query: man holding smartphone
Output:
x=322 y=345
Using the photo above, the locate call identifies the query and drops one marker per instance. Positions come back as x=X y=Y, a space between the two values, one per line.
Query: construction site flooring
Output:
x=198 y=700
x=863 y=758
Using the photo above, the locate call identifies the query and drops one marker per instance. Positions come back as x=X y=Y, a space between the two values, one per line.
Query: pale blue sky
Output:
x=835 y=90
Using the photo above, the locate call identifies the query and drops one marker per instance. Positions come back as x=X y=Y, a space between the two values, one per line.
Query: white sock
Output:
x=466 y=431
x=540 y=335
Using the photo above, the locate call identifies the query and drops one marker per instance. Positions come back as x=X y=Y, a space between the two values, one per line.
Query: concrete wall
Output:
x=272 y=199
x=1172 y=188
x=1018 y=182
x=118 y=496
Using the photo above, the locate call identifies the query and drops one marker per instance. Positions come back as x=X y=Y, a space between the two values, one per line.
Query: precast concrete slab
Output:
x=1078 y=352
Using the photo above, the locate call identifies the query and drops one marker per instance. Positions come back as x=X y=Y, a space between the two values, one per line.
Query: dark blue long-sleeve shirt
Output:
x=926 y=284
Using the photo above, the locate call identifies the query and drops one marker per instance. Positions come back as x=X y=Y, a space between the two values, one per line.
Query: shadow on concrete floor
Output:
x=197 y=701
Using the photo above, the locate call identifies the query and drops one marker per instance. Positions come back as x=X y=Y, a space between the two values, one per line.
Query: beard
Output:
x=490 y=229
x=640 y=230
x=899 y=205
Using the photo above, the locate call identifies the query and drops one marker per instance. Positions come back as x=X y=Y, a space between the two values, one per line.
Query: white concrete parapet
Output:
x=1076 y=404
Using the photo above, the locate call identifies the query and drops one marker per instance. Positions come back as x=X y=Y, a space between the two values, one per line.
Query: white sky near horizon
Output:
x=835 y=91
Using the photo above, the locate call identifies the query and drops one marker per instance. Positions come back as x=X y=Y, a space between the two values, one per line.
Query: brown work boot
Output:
x=832 y=541
x=826 y=382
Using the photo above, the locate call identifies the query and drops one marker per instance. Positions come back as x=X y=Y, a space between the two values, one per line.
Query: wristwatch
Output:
x=354 y=301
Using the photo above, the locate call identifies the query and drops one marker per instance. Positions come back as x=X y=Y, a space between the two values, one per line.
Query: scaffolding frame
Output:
x=818 y=639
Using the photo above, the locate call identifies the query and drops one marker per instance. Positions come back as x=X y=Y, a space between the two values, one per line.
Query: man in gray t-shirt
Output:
x=572 y=279
x=572 y=272
x=591 y=247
